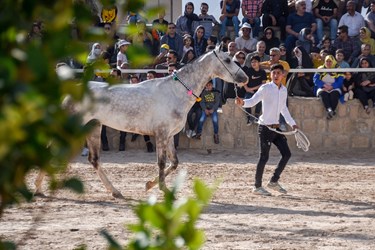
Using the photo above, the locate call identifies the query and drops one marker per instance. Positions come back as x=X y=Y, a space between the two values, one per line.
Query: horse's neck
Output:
x=197 y=74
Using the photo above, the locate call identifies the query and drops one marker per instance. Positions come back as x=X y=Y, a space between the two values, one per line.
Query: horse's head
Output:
x=227 y=69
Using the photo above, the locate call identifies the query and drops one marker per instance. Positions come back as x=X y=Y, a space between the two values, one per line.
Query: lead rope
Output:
x=190 y=92
x=301 y=139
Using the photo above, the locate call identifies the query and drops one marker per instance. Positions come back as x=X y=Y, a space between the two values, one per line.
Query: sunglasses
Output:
x=282 y=49
x=169 y=58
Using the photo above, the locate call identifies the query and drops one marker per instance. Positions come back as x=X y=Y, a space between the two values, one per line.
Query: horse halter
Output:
x=233 y=76
x=190 y=92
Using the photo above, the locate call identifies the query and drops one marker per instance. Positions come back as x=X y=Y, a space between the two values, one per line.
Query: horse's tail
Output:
x=69 y=105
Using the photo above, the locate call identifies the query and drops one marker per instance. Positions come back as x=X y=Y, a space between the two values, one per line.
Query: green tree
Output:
x=169 y=224
x=35 y=132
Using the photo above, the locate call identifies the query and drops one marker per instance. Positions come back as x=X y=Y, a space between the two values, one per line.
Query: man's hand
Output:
x=295 y=127
x=239 y=101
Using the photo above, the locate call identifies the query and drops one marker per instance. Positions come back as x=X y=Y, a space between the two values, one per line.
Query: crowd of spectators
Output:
x=295 y=33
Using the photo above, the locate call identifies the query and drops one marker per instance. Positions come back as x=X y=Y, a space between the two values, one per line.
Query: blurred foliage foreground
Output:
x=35 y=133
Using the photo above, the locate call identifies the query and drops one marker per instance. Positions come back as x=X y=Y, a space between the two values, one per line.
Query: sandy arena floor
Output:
x=330 y=204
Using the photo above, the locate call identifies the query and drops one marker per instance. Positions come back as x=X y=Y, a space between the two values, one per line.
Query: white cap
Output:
x=123 y=42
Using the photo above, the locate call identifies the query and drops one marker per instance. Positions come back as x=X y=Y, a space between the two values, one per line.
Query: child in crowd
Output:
x=258 y=76
x=209 y=104
x=339 y=55
x=188 y=44
x=212 y=40
x=122 y=60
x=348 y=86
x=326 y=44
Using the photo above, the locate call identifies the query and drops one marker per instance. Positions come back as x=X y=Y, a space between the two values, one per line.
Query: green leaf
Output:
x=74 y=184
x=203 y=193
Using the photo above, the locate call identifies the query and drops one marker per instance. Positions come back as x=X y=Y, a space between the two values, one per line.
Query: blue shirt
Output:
x=297 y=22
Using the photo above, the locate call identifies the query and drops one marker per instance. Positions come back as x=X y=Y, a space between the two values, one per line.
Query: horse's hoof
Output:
x=118 y=195
x=149 y=185
x=39 y=194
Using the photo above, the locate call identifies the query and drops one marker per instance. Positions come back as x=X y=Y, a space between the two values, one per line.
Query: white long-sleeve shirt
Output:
x=273 y=103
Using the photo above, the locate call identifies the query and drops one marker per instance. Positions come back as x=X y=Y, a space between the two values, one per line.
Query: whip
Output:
x=301 y=139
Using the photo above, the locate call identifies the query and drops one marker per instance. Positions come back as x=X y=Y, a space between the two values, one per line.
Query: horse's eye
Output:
x=227 y=60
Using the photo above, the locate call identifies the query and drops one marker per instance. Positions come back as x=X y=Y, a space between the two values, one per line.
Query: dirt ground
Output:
x=330 y=203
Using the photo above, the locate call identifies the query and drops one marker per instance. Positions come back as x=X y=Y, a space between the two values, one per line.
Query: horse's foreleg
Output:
x=172 y=156
x=93 y=144
x=38 y=183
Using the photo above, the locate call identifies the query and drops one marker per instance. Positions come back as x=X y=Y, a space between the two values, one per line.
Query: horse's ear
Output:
x=219 y=48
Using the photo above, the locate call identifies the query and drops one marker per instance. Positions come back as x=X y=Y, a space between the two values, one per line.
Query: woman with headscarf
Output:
x=95 y=52
x=185 y=23
x=188 y=57
x=199 y=42
x=300 y=58
x=365 y=85
x=270 y=39
x=365 y=37
x=328 y=86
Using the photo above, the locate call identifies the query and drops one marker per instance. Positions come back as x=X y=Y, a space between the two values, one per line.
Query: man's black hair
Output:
x=277 y=66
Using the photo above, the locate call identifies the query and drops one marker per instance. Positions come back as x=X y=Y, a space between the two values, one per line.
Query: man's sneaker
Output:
x=277 y=187
x=220 y=110
x=193 y=134
x=261 y=191
x=189 y=133
x=346 y=97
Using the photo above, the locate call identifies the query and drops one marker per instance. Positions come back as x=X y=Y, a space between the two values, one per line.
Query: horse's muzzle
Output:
x=241 y=80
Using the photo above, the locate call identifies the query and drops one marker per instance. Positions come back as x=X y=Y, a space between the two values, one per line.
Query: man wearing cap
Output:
x=245 y=41
x=122 y=60
x=161 y=58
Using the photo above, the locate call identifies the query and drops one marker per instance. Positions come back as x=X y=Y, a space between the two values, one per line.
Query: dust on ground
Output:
x=330 y=202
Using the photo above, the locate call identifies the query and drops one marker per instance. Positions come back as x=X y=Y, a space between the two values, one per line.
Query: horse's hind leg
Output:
x=93 y=144
x=172 y=156
x=38 y=183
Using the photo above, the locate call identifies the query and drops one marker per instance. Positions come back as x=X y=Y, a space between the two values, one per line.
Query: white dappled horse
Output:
x=155 y=107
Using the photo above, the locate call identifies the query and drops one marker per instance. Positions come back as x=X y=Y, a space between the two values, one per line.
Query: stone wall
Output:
x=350 y=129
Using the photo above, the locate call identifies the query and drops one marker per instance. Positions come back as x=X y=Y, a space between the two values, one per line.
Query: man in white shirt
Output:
x=353 y=19
x=245 y=41
x=273 y=96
